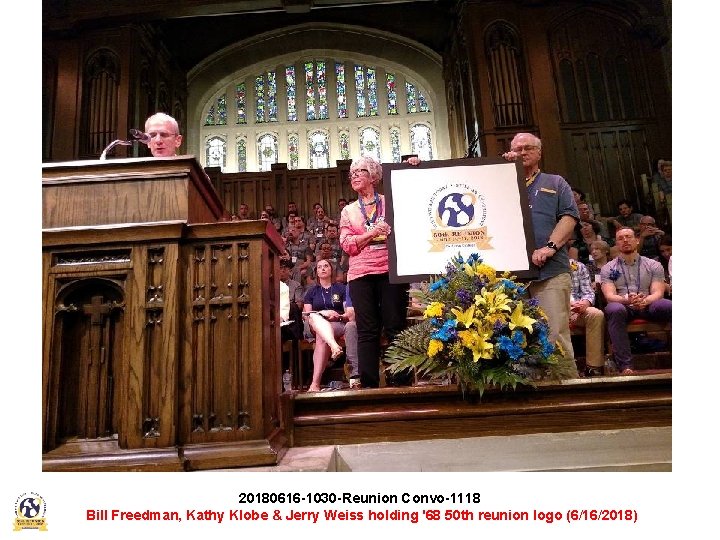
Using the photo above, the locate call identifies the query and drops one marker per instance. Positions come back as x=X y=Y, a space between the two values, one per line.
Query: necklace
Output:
x=323 y=291
x=378 y=209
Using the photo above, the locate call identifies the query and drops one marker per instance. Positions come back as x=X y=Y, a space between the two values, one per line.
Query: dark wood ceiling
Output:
x=194 y=29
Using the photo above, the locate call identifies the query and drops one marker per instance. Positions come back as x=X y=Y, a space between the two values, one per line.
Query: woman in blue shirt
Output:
x=325 y=312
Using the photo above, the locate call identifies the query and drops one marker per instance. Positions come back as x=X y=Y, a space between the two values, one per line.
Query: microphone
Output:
x=140 y=136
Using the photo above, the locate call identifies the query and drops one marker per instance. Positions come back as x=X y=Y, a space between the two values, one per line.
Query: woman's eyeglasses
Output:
x=357 y=172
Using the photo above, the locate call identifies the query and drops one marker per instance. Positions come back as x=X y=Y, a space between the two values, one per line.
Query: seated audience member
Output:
x=317 y=224
x=582 y=313
x=634 y=287
x=649 y=237
x=580 y=250
x=665 y=250
x=330 y=236
x=243 y=213
x=586 y=213
x=291 y=209
x=290 y=316
x=664 y=178
x=299 y=252
x=297 y=294
x=342 y=203
x=325 y=311
x=578 y=195
x=290 y=220
x=264 y=215
x=627 y=216
x=599 y=256
x=273 y=217
x=304 y=233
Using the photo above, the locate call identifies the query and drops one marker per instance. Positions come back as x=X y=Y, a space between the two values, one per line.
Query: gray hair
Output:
x=538 y=142
x=369 y=163
x=164 y=118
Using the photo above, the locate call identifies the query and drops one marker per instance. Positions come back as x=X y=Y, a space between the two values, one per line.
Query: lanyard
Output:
x=378 y=209
x=625 y=277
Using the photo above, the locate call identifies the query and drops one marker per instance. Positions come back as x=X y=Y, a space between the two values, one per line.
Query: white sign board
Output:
x=441 y=208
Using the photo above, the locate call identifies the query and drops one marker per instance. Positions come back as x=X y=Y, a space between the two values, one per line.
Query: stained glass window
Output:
x=293 y=150
x=259 y=99
x=240 y=97
x=420 y=142
x=271 y=97
x=341 y=96
x=242 y=154
x=395 y=144
x=372 y=91
x=210 y=118
x=360 y=90
x=318 y=150
x=344 y=145
x=290 y=88
x=416 y=101
x=370 y=142
x=215 y=152
x=391 y=94
x=222 y=111
x=411 y=98
x=267 y=151
x=322 y=91
x=310 y=90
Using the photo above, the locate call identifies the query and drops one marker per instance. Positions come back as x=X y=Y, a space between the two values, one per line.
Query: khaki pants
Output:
x=594 y=322
x=554 y=295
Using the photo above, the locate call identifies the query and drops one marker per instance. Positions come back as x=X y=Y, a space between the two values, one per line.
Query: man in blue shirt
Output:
x=554 y=215
x=583 y=313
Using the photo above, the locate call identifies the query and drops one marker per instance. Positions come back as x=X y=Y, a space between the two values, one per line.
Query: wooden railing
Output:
x=281 y=185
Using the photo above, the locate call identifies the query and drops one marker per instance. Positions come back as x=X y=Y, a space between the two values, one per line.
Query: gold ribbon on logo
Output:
x=441 y=238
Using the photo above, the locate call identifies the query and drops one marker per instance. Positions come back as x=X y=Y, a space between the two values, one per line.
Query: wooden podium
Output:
x=161 y=338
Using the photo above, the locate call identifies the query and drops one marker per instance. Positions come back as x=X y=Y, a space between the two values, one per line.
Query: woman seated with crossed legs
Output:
x=325 y=312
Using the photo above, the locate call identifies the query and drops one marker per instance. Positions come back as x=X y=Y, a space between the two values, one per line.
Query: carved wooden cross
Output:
x=97 y=310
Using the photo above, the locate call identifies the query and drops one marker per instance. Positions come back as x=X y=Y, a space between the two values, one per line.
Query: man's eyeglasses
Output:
x=357 y=172
x=526 y=148
x=161 y=134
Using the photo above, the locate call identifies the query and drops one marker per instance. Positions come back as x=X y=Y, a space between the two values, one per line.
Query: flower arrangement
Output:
x=481 y=329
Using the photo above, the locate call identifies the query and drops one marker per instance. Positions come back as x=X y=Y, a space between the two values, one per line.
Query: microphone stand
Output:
x=113 y=145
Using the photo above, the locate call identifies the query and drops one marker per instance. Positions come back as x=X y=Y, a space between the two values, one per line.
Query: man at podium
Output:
x=164 y=134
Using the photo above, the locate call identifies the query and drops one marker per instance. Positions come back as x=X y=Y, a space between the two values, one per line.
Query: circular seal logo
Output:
x=30 y=512
x=457 y=209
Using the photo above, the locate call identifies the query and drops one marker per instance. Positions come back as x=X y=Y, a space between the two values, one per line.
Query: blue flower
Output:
x=511 y=346
x=474 y=258
x=533 y=302
x=439 y=284
x=542 y=336
x=446 y=332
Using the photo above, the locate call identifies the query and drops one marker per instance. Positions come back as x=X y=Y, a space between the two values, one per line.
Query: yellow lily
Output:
x=477 y=343
x=494 y=301
x=464 y=317
x=518 y=320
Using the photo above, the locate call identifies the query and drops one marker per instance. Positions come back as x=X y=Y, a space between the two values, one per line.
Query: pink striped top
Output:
x=373 y=258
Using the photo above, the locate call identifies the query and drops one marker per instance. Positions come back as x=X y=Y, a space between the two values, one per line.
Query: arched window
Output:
x=241 y=154
x=267 y=146
x=319 y=108
x=370 y=143
x=215 y=152
x=420 y=141
x=319 y=150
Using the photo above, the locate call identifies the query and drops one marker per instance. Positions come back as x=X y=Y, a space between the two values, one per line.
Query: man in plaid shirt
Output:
x=582 y=313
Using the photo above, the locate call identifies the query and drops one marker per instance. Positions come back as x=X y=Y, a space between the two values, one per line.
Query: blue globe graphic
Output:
x=456 y=209
x=30 y=507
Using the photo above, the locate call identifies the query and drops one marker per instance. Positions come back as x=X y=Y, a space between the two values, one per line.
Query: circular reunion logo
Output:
x=456 y=205
x=30 y=512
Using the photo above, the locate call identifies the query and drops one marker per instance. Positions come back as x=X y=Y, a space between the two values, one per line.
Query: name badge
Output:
x=378 y=246
x=598 y=278
x=294 y=259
